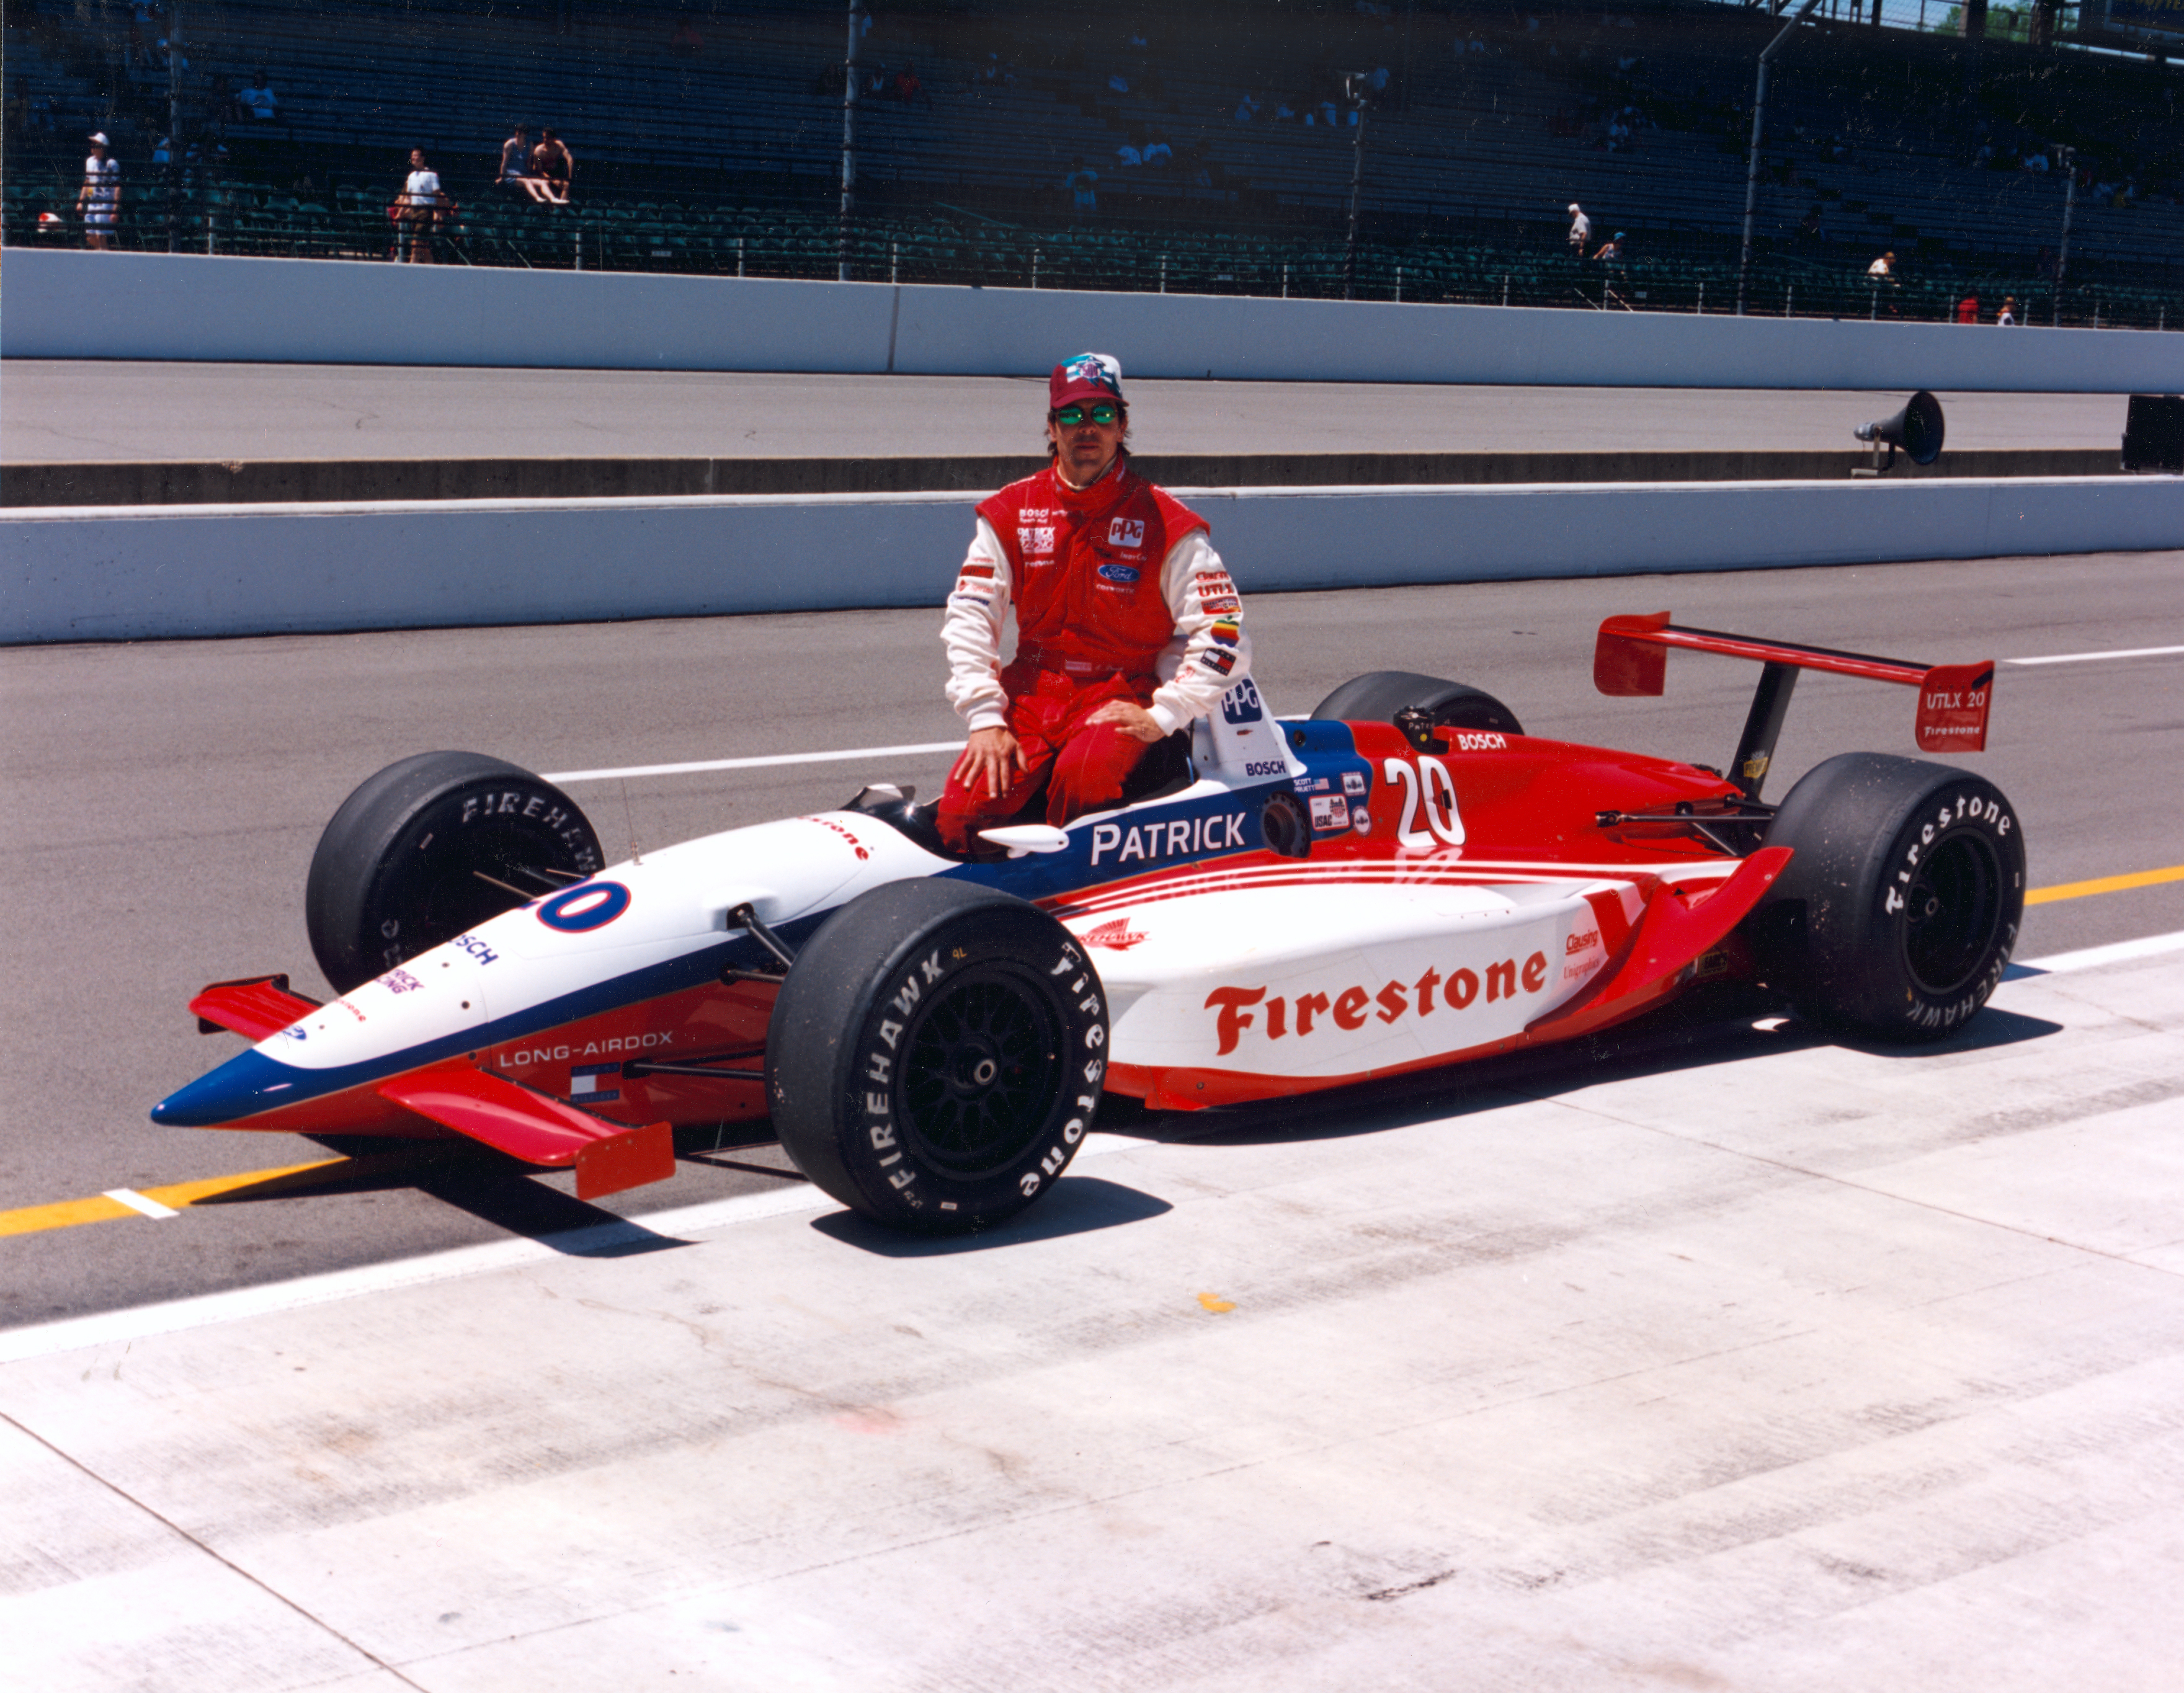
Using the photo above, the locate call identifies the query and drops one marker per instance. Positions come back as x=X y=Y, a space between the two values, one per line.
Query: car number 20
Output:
x=1444 y=823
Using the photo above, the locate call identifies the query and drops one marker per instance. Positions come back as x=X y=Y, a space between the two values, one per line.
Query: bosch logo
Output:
x=1266 y=767
x=1467 y=741
x=589 y=905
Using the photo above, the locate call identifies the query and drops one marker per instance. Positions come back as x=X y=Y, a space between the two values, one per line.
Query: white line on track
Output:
x=136 y=1201
x=844 y=754
x=203 y=1311
x=2088 y=658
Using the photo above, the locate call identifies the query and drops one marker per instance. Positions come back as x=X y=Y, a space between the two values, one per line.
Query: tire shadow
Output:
x=1078 y=1205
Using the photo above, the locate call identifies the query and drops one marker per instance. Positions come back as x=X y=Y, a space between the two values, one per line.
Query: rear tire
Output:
x=1900 y=906
x=935 y=1055
x=397 y=871
x=1381 y=696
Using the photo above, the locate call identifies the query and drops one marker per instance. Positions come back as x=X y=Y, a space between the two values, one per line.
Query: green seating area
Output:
x=724 y=161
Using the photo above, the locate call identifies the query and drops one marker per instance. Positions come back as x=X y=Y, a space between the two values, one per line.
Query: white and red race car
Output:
x=1403 y=880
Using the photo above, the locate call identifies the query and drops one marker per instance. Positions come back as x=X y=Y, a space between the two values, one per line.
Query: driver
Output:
x=1128 y=627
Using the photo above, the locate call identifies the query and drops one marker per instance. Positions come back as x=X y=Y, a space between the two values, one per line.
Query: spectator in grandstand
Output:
x=418 y=212
x=1247 y=108
x=553 y=164
x=1883 y=269
x=100 y=197
x=1611 y=250
x=516 y=177
x=1812 y=229
x=685 y=40
x=1126 y=154
x=1158 y=152
x=258 y=98
x=907 y=87
x=1968 y=309
x=2007 y=317
x=1128 y=629
x=1084 y=197
x=1580 y=231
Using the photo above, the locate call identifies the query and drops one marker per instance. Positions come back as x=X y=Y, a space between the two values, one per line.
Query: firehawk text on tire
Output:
x=935 y=1056
x=433 y=846
x=1380 y=696
x=1901 y=905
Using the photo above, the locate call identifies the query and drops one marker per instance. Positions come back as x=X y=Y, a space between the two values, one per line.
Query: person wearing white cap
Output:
x=1128 y=627
x=1580 y=229
x=100 y=197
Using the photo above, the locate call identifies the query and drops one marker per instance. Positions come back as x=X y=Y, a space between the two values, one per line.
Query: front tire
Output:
x=1902 y=901
x=431 y=846
x=936 y=1054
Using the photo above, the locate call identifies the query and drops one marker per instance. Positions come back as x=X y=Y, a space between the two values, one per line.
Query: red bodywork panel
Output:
x=253 y=1007
x=1632 y=658
x=537 y=1128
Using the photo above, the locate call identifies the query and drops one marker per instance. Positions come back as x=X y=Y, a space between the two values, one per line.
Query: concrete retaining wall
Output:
x=125 y=306
x=77 y=574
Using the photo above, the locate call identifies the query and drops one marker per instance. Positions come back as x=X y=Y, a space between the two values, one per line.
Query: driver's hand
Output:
x=991 y=759
x=1134 y=721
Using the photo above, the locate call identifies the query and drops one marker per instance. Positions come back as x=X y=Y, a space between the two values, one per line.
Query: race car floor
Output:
x=1764 y=1364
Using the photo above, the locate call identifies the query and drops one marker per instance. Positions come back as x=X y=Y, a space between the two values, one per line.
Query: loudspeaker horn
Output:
x=1917 y=429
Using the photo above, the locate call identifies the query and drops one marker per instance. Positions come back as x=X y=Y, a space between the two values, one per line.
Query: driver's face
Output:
x=1086 y=449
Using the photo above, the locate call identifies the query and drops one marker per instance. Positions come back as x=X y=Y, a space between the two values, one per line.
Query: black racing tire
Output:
x=1379 y=696
x=401 y=866
x=1901 y=900
x=935 y=1055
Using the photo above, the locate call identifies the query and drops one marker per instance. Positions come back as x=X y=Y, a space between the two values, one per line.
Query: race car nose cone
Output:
x=244 y=1086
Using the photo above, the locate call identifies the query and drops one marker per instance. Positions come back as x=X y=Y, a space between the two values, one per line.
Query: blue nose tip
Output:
x=244 y=1086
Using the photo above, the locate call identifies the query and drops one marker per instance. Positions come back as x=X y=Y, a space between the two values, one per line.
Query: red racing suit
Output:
x=1119 y=594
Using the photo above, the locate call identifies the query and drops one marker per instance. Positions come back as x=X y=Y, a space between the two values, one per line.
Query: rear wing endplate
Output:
x=1632 y=657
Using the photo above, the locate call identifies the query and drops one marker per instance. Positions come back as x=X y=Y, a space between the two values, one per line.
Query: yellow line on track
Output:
x=37 y=1219
x=2104 y=884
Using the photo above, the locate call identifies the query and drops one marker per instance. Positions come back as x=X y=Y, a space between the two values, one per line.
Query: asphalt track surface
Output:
x=73 y=411
x=165 y=799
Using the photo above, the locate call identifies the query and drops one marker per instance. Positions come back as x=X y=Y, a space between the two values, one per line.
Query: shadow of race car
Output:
x=1403 y=880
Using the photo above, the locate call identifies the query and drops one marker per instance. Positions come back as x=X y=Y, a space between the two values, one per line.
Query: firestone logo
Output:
x=1351 y=1008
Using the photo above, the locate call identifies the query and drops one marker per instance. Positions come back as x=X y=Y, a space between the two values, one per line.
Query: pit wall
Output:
x=69 y=304
x=110 y=574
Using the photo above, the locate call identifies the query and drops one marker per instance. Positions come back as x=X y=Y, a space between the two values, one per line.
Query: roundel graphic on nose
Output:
x=587 y=907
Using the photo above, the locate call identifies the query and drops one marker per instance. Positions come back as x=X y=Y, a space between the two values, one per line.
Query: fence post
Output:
x=2097 y=305
x=1790 y=300
x=209 y=252
x=894 y=261
x=1505 y=287
x=739 y=255
x=580 y=247
x=1163 y=286
x=1398 y=285
x=1034 y=267
x=1285 y=281
x=1873 y=309
x=1702 y=299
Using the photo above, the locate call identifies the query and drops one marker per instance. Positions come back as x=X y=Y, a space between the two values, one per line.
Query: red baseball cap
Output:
x=1085 y=376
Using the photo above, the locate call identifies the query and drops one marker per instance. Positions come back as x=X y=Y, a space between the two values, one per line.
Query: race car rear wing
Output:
x=1632 y=658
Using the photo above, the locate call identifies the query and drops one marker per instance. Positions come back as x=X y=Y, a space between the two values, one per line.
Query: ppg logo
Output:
x=1241 y=704
x=1127 y=531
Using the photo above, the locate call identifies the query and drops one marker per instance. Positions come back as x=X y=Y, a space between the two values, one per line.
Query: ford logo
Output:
x=1124 y=573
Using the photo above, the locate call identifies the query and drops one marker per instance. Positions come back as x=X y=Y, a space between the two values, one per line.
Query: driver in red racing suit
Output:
x=1128 y=627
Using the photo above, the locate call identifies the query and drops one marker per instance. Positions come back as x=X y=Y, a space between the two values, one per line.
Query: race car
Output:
x=1404 y=879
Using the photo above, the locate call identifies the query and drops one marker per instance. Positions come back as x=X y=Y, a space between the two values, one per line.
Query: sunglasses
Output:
x=1070 y=416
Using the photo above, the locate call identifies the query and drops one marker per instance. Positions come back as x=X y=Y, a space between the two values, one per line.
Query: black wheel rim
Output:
x=1952 y=913
x=981 y=1069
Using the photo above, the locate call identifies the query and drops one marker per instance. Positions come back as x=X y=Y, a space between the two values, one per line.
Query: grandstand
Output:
x=717 y=149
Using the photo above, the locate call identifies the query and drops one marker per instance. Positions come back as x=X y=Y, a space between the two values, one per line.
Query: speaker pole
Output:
x=1752 y=165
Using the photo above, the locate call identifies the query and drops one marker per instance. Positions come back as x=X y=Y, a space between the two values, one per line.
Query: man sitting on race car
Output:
x=1128 y=627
